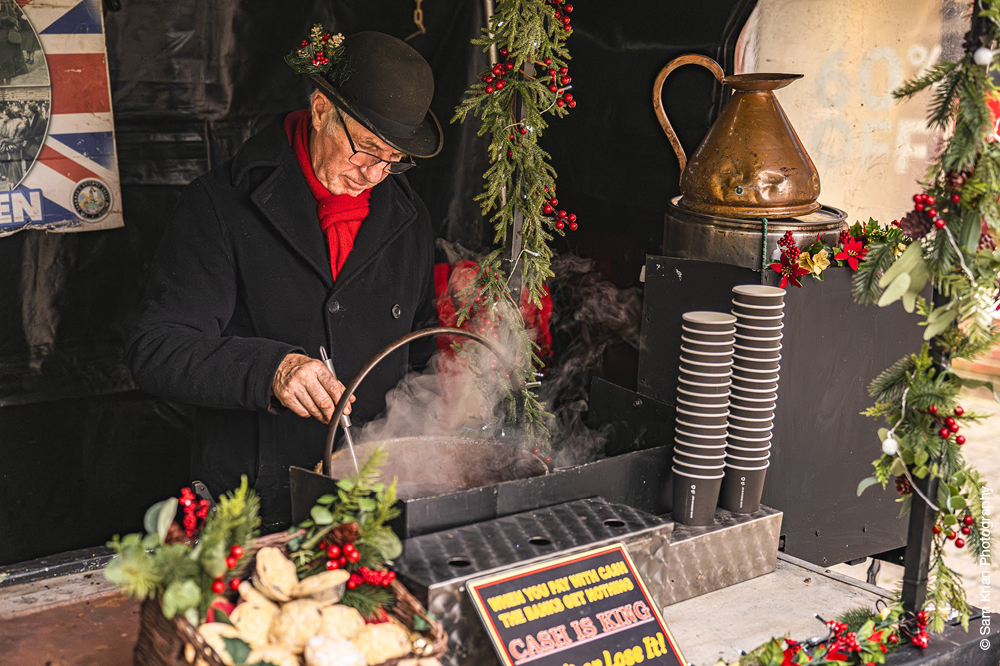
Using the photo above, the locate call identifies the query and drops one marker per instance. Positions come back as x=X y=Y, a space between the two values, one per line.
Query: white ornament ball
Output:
x=890 y=446
x=982 y=56
x=776 y=255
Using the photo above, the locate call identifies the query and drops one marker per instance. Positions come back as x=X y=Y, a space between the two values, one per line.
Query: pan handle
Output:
x=331 y=434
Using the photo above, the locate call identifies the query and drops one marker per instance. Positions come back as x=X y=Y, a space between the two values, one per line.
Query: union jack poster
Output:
x=58 y=165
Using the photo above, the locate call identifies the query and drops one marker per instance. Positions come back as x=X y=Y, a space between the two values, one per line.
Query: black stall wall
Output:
x=83 y=452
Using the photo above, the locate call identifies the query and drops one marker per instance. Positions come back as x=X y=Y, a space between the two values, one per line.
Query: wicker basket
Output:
x=162 y=641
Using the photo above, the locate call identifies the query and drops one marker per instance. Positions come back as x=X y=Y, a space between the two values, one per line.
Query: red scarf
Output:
x=340 y=215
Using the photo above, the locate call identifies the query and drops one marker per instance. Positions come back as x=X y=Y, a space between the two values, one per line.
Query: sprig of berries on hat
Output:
x=321 y=54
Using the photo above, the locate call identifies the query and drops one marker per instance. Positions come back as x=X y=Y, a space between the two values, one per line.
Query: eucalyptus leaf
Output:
x=920 y=456
x=903 y=264
x=898 y=467
x=895 y=290
x=367 y=504
x=950 y=519
x=321 y=515
x=327 y=499
x=957 y=503
x=866 y=483
x=940 y=325
x=159 y=516
x=180 y=596
x=295 y=543
x=346 y=484
x=882 y=434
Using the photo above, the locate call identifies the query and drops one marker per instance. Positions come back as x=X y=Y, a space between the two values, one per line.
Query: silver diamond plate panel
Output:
x=436 y=566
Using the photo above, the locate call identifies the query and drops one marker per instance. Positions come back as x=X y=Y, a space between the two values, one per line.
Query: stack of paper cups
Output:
x=759 y=311
x=702 y=414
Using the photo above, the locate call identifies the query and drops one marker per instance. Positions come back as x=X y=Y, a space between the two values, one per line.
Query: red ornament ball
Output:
x=960 y=440
x=573 y=226
x=236 y=550
x=568 y=97
x=954 y=428
x=553 y=87
x=959 y=543
x=567 y=28
x=968 y=520
x=932 y=409
x=929 y=198
x=563 y=70
x=939 y=223
x=932 y=212
x=218 y=586
x=919 y=208
x=333 y=551
x=945 y=433
x=332 y=565
x=536 y=450
x=893 y=639
x=565 y=80
x=955 y=198
x=234 y=584
x=959 y=411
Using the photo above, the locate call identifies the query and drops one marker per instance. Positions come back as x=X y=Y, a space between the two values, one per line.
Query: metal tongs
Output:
x=345 y=420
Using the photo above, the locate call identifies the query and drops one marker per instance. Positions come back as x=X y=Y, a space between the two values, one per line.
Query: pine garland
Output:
x=513 y=101
x=952 y=246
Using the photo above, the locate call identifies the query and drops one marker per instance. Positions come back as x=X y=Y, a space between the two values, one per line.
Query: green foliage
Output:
x=368 y=600
x=322 y=54
x=181 y=575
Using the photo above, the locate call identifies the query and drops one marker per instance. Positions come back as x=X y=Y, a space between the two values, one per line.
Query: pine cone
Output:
x=345 y=533
x=903 y=485
x=175 y=534
x=987 y=242
x=955 y=180
x=916 y=225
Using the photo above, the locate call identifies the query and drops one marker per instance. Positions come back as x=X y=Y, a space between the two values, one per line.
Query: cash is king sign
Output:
x=586 y=609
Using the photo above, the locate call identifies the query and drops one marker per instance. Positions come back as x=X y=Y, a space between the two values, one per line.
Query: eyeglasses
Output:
x=364 y=160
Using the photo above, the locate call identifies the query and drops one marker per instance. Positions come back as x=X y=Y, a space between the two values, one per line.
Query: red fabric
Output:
x=340 y=215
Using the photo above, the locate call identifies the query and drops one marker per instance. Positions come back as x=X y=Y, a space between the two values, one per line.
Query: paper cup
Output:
x=763 y=465
x=758 y=294
x=746 y=442
x=704 y=320
x=756 y=310
x=760 y=319
x=689 y=356
x=757 y=363
x=706 y=431
x=759 y=342
x=699 y=456
x=685 y=462
x=748 y=458
x=701 y=403
x=706 y=470
x=755 y=352
x=695 y=497
x=753 y=422
x=707 y=335
x=694 y=386
x=700 y=373
x=708 y=346
x=746 y=451
x=707 y=418
x=762 y=331
x=698 y=398
x=741 y=490
x=694 y=439
x=751 y=413
x=735 y=432
x=746 y=384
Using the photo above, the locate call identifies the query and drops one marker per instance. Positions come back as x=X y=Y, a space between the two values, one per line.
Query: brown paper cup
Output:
x=695 y=498
x=741 y=490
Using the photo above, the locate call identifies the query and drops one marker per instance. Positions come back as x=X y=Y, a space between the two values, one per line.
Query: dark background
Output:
x=83 y=453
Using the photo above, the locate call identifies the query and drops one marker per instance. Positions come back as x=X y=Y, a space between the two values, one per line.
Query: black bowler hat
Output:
x=388 y=89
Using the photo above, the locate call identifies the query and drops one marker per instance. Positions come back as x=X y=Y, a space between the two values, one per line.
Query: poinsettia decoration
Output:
x=790 y=272
x=852 y=252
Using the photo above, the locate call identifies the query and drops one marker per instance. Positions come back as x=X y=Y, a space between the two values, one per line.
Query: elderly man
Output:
x=309 y=237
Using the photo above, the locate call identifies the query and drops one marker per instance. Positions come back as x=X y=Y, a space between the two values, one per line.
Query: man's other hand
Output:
x=305 y=386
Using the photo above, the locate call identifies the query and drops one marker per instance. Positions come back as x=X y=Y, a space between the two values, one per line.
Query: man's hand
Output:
x=305 y=386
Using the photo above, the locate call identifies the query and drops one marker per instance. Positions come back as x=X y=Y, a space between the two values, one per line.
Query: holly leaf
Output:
x=866 y=483
x=238 y=649
x=866 y=630
x=321 y=515
x=218 y=615
x=420 y=624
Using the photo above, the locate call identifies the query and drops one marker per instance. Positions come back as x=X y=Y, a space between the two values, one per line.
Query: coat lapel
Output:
x=389 y=215
x=284 y=198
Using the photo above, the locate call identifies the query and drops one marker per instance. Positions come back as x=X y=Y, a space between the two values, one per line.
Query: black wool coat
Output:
x=242 y=278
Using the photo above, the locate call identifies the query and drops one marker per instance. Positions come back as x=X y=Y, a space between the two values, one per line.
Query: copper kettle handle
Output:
x=689 y=59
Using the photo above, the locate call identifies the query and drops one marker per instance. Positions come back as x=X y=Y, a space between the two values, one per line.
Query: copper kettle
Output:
x=751 y=163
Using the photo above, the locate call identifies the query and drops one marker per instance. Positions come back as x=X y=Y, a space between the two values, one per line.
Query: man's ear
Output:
x=321 y=106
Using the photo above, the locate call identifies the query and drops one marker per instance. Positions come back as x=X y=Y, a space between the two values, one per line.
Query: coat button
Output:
x=333 y=307
x=397 y=311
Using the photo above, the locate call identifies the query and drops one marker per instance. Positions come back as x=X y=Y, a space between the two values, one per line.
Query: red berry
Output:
x=572 y=227
x=563 y=214
x=893 y=639
x=954 y=428
x=559 y=102
x=351 y=584
x=950 y=534
x=523 y=130
x=218 y=587
x=547 y=209
x=919 y=208
x=234 y=584
x=536 y=450
x=236 y=550
x=960 y=440
x=231 y=562
x=391 y=575
x=504 y=52
x=568 y=8
x=510 y=153
x=332 y=565
x=945 y=433
x=918 y=198
x=553 y=87
x=563 y=70
x=932 y=409
x=554 y=201
x=353 y=556
x=500 y=84
x=937 y=530
x=955 y=198
x=560 y=224
x=509 y=66
x=959 y=411
x=349 y=548
x=568 y=97
x=511 y=136
x=342 y=560
x=572 y=217
x=548 y=61
x=929 y=198
x=565 y=80
x=932 y=212
x=966 y=530
x=959 y=543
x=552 y=73
x=950 y=421
x=968 y=520
x=572 y=104
x=489 y=89
x=333 y=552
x=567 y=28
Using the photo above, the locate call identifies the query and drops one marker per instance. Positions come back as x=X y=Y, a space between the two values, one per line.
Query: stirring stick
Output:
x=345 y=420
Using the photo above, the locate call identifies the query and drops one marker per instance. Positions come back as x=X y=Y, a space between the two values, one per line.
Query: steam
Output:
x=466 y=396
